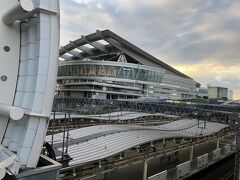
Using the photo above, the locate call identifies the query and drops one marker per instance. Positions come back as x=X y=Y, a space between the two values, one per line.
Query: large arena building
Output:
x=104 y=65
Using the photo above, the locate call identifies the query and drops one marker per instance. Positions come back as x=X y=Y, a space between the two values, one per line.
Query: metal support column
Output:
x=218 y=143
x=145 y=167
x=64 y=135
x=68 y=129
x=53 y=122
x=191 y=153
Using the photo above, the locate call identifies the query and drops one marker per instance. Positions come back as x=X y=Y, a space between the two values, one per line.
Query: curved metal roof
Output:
x=116 y=44
x=115 y=116
x=94 y=143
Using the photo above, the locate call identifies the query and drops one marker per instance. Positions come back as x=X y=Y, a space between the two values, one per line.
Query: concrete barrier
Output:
x=227 y=149
x=202 y=161
x=160 y=176
x=216 y=154
x=183 y=169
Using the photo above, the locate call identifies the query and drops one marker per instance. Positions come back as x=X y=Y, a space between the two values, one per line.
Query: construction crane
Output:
x=29 y=43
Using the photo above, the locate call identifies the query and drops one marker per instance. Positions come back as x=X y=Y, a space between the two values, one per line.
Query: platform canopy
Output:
x=91 y=144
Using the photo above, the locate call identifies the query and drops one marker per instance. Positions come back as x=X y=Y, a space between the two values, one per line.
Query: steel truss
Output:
x=198 y=111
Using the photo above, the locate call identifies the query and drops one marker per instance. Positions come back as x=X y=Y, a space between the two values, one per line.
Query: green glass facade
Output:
x=107 y=71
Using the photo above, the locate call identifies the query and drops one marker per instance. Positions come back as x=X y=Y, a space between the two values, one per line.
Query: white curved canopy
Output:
x=94 y=143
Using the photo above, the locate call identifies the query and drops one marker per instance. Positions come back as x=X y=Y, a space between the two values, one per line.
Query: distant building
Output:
x=203 y=93
x=217 y=93
x=230 y=95
x=103 y=65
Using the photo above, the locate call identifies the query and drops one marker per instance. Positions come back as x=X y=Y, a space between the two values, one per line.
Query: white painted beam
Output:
x=17 y=12
x=145 y=169
x=15 y=113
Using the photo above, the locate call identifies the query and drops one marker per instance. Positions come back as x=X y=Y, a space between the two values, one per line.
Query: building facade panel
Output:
x=215 y=92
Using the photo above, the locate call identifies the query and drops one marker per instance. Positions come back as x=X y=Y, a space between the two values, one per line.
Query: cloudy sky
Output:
x=198 y=37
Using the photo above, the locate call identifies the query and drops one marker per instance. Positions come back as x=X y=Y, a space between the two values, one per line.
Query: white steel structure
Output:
x=95 y=143
x=29 y=42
